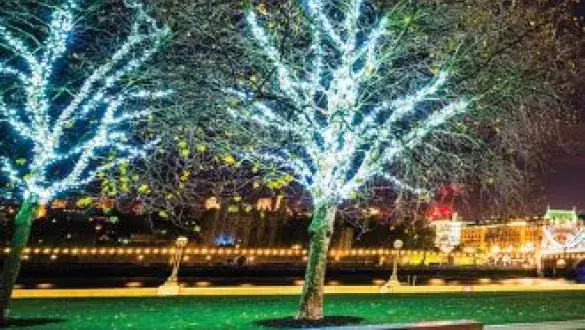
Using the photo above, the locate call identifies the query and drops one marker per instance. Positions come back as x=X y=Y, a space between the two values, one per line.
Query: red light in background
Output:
x=439 y=212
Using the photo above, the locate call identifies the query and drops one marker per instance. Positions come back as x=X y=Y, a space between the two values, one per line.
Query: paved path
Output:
x=564 y=325
x=451 y=325
x=48 y=292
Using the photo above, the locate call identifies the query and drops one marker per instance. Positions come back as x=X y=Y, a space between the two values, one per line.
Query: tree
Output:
x=359 y=96
x=175 y=178
x=192 y=162
x=67 y=130
x=347 y=125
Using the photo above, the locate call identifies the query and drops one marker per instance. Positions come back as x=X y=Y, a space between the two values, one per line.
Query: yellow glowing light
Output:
x=45 y=286
x=133 y=284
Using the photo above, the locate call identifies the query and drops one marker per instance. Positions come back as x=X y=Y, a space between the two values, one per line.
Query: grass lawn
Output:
x=244 y=312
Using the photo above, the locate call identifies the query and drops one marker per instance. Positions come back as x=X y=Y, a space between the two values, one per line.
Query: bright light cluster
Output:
x=344 y=138
x=103 y=95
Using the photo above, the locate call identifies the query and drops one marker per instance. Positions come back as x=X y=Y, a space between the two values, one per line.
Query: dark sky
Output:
x=565 y=185
x=564 y=181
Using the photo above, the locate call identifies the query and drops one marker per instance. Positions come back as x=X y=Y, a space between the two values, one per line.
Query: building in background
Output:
x=271 y=222
x=563 y=231
x=559 y=216
x=513 y=236
x=343 y=238
x=448 y=232
x=244 y=225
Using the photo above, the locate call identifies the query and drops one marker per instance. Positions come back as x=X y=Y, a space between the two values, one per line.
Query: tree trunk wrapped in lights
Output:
x=11 y=267
x=71 y=139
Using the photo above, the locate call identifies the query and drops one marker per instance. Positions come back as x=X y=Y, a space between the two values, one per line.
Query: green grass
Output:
x=243 y=312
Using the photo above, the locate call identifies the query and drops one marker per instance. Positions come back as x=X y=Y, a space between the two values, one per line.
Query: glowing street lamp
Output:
x=393 y=281
x=171 y=285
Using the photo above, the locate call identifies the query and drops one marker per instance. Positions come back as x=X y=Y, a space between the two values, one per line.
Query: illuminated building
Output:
x=237 y=225
x=269 y=204
x=447 y=232
x=561 y=216
x=555 y=229
x=563 y=231
x=514 y=236
x=59 y=204
x=212 y=204
x=344 y=238
x=446 y=224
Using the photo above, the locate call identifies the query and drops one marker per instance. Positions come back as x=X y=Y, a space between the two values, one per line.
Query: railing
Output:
x=210 y=254
x=252 y=251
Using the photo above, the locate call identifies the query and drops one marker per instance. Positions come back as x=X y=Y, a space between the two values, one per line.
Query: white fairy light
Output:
x=101 y=90
x=355 y=143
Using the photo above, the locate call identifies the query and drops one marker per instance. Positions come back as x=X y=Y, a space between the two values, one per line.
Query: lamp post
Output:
x=171 y=285
x=393 y=281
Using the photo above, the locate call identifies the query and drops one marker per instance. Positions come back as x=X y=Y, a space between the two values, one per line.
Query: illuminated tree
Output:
x=361 y=96
x=346 y=127
x=67 y=133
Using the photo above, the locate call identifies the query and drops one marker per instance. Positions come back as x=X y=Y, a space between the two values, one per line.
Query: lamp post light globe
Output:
x=398 y=244
x=181 y=241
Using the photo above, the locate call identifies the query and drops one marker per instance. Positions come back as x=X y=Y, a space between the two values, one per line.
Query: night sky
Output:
x=564 y=179
x=565 y=185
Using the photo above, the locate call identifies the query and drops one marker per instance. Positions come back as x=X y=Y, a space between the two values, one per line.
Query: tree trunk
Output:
x=320 y=230
x=12 y=262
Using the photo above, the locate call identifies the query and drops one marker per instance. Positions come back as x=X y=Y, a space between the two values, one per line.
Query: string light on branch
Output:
x=347 y=128
x=103 y=95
